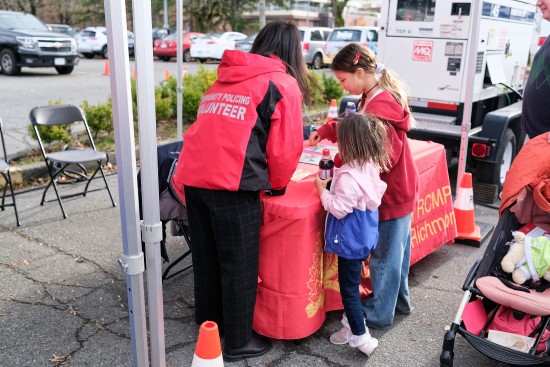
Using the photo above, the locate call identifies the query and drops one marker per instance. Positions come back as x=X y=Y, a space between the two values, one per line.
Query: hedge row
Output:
x=100 y=116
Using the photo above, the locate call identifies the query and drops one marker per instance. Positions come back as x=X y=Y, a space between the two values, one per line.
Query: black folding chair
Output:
x=5 y=172
x=61 y=162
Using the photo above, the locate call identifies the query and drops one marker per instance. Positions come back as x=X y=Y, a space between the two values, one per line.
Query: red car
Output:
x=167 y=47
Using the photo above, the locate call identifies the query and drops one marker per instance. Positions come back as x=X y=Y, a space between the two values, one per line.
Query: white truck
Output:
x=465 y=65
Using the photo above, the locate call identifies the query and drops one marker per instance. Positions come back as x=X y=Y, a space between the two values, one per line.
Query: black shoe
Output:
x=257 y=346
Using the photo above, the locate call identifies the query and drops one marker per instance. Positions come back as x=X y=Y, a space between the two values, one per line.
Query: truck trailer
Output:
x=465 y=64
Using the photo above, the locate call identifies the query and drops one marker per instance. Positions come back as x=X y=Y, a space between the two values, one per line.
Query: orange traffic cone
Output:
x=332 y=111
x=464 y=211
x=106 y=69
x=208 y=352
x=134 y=73
x=166 y=75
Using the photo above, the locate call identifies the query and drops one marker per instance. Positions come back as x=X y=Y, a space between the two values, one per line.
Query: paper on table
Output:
x=310 y=158
x=319 y=149
x=313 y=154
x=299 y=175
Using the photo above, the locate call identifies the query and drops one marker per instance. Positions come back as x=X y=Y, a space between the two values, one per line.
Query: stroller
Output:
x=172 y=208
x=490 y=292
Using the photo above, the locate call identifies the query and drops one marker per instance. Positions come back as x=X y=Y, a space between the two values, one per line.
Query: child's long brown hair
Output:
x=363 y=139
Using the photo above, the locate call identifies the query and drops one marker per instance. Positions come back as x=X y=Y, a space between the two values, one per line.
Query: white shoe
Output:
x=342 y=336
x=369 y=346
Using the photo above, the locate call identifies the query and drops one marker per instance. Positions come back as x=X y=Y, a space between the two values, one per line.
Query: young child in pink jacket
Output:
x=352 y=222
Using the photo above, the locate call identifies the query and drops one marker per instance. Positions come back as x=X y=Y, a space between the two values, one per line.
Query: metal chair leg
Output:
x=107 y=186
x=52 y=183
x=13 y=199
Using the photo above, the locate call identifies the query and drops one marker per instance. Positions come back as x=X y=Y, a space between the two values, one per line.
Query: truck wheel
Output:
x=63 y=70
x=317 y=61
x=495 y=173
x=8 y=62
x=104 y=52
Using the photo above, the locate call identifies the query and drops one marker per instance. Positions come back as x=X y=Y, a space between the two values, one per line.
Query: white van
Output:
x=314 y=40
x=341 y=36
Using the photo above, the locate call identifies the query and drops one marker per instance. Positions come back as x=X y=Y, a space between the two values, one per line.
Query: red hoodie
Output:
x=402 y=179
x=248 y=133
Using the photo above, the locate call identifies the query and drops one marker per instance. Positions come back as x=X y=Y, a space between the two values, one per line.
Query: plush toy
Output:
x=532 y=264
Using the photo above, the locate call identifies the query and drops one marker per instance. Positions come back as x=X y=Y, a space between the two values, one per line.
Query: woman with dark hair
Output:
x=247 y=138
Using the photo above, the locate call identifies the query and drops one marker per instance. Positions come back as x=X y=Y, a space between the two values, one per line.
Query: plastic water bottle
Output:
x=326 y=166
x=351 y=109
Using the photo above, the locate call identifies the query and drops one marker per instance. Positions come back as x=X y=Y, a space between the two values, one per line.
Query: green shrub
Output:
x=99 y=117
x=194 y=86
x=332 y=89
x=316 y=88
x=163 y=104
x=50 y=134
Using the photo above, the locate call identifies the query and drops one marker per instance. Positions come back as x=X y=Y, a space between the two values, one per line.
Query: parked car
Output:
x=314 y=40
x=93 y=41
x=167 y=47
x=26 y=41
x=213 y=45
x=63 y=28
x=341 y=36
x=245 y=44
x=131 y=43
x=160 y=33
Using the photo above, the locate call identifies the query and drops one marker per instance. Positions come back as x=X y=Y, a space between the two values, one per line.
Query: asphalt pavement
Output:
x=63 y=298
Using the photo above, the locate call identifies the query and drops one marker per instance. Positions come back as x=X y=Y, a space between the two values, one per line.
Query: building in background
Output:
x=316 y=13
x=362 y=13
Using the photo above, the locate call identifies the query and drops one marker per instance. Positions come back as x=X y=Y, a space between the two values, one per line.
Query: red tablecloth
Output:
x=299 y=281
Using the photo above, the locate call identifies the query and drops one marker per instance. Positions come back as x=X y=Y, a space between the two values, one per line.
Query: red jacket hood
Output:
x=387 y=109
x=235 y=66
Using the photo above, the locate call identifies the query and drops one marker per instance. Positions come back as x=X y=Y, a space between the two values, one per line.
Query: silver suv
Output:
x=313 y=45
x=340 y=37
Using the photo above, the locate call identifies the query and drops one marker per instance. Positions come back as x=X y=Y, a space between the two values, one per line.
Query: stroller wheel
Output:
x=446 y=359
x=447 y=354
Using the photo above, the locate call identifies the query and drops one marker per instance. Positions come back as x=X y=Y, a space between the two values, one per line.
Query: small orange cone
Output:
x=464 y=211
x=166 y=75
x=106 y=69
x=332 y=111
x=208 y=352
x=134 y=73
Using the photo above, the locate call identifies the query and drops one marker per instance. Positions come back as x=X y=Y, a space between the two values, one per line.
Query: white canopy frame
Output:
x=132 y=262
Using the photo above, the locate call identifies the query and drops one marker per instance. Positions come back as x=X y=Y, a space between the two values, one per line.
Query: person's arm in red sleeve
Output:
x=284 y=143
x=325 y=131
x=396 y=146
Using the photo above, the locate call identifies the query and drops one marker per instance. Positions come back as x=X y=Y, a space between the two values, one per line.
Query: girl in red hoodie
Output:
x=382 y=95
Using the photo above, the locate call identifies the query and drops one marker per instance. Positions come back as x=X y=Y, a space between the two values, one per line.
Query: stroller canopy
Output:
x=528 y=183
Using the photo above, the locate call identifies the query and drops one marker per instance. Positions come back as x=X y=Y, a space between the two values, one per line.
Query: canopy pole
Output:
x=132 y=261
x=151 y=226
x=468 y=99
x=179 y=61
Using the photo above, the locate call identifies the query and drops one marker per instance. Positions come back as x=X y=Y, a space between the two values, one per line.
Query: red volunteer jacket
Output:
x=402 y=179
x=248 y=132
